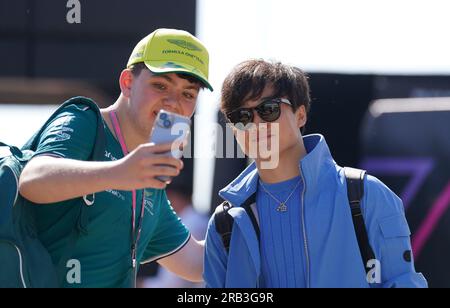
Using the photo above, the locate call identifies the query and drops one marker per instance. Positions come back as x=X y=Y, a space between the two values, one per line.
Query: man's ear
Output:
x=125 y=81
x=301 y=116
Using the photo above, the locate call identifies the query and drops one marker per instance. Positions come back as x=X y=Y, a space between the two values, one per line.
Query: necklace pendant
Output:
x=282 y=208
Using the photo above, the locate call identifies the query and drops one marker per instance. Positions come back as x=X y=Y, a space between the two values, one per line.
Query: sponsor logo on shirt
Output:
x=148 y=202
x=62 y=136
x=64 y=132
x=116 y=194
x=110 y=156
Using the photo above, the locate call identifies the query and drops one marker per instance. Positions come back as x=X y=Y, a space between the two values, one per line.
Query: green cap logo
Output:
x=184 y=44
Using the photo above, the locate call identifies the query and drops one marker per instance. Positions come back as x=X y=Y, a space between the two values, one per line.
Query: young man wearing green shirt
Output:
x=166 y=70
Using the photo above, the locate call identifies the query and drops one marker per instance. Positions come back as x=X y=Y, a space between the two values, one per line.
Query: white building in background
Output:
x=19 y=122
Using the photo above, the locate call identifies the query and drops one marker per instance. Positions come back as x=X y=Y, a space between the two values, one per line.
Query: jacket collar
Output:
x=313 y=165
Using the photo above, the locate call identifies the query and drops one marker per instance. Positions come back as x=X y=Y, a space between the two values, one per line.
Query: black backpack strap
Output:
x=251 y=212
x=224 y=221
x=355 y=192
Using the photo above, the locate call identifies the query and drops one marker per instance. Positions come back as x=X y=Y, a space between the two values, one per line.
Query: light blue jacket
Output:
x=331 y=249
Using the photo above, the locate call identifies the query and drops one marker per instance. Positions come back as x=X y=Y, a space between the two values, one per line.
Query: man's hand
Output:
x=140 y=168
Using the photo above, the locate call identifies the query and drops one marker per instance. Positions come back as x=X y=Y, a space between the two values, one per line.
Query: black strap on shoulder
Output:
x=355 y=192
x=247 y=207
x=224 y=221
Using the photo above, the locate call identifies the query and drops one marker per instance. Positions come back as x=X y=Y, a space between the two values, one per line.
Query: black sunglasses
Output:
x=268 y=110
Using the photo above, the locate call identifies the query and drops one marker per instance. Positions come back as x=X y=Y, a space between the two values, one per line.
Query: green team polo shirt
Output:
x=104 y=254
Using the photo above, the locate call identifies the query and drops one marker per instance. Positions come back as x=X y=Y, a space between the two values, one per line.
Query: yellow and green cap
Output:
x=173 y=51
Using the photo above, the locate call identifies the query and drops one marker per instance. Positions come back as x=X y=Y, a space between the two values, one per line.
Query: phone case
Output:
x=168 y=128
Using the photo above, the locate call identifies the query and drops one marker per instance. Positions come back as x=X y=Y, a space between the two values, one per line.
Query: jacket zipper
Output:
x=305 y=240
x=19 y=253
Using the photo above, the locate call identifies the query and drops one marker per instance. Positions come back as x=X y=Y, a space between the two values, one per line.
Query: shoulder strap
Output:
x=355 y=192
x=224 y=221
x=250 y=207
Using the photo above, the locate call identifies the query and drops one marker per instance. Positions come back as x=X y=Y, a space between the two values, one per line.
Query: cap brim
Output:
x=158 y=67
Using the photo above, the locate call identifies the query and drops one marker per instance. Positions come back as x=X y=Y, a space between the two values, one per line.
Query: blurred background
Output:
x=379 y=74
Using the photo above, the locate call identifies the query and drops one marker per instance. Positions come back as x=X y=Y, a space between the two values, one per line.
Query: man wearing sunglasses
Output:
x=291 y=223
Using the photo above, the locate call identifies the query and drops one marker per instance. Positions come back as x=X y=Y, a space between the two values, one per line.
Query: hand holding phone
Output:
x=172 y=128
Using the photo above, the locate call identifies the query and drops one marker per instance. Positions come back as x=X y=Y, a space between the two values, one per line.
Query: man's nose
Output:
x=257 y=119
x=260 y=124
x=170 y=103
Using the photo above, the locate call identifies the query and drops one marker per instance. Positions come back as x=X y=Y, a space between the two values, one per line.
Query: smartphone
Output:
x=170 y=127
